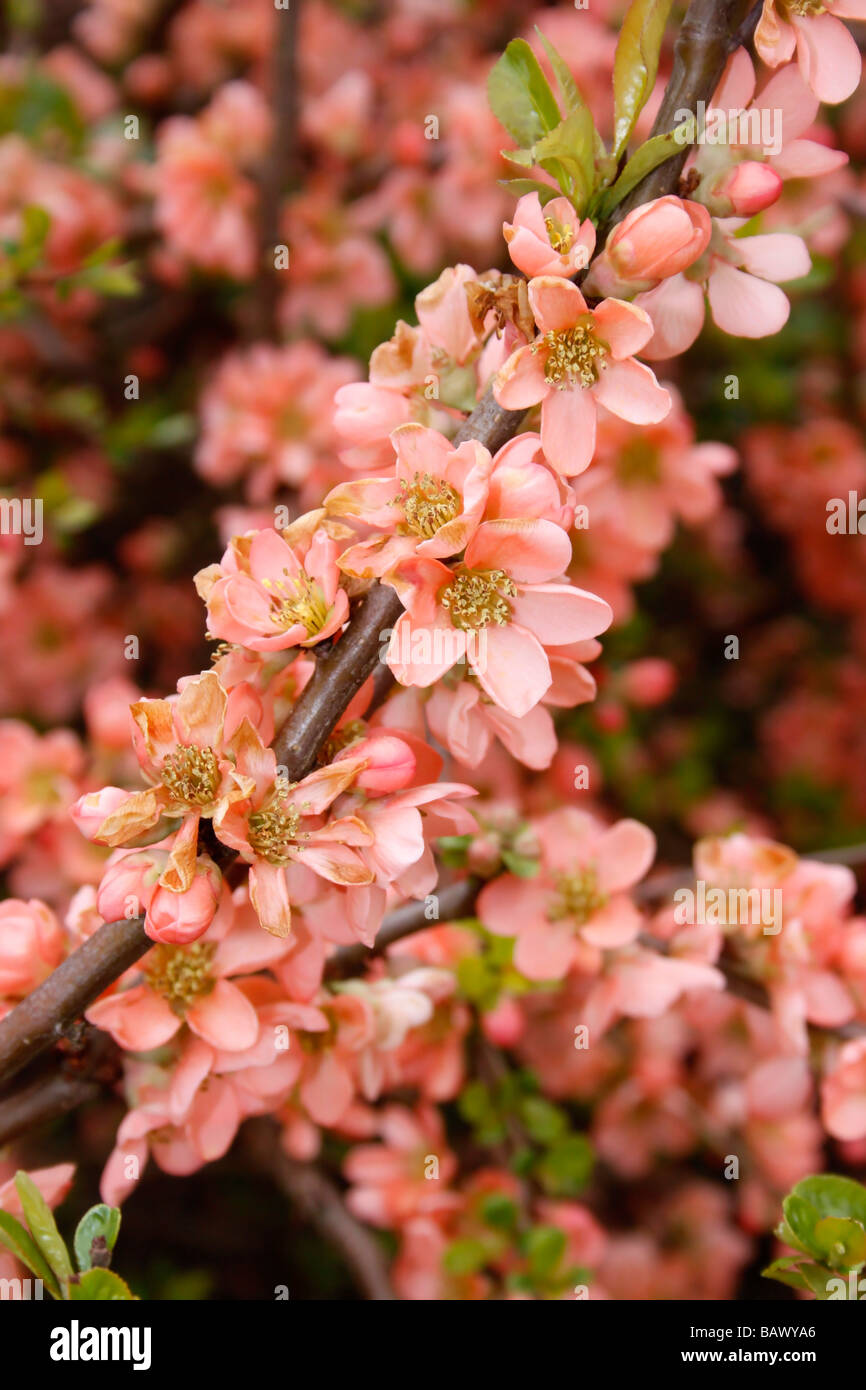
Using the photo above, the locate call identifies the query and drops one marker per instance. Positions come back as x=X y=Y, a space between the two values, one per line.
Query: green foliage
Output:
x=825 y=1221
x=636 y=64
x=567 y=146
x=43 y=1250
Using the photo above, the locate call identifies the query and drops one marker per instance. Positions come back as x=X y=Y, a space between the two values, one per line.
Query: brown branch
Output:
x=279 y=169
x=711 y=31
x=43 y=1100
x=455 y=901
x=320 y=1202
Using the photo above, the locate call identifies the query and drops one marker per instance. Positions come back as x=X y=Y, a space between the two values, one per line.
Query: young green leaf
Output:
x=564 y=76
x=21 y=1244
x=519 y=95
x=100 y=1284
x=636 y=64
x=43 y=1227
x=566 y=153
x=100 y=1220
x=647 y=157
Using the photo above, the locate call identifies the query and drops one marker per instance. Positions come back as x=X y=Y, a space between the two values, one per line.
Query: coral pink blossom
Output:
x=551 y=240
x=582 y=358
x=433 y=504
x=843 y=1093
x=652 y=242
x=32 y=943
x=499 y=609
x=827 y=53
x=579 y=894
x=191 y=985
x=268 y=595
x=740 y=275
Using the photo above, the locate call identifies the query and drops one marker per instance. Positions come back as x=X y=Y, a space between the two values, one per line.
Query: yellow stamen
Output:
x=191 y=774
x=181 y=974
x=573 y=355
x=577 y=897
x=273 y=831
x=297 y=601
x=428 y=503
x=475 y=599
x=560 y=236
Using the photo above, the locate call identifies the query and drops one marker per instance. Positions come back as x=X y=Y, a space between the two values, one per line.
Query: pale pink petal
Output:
x=744 y=305
x=559 y=613
x=520 y=382
x=514 y=670
x=623 y=855
x=629 y=389
x=556 y=303
x=777 y=256
x=828 y=56
x=568 y=420
x=225 y=1018
x=676 y=308
x=626 y=328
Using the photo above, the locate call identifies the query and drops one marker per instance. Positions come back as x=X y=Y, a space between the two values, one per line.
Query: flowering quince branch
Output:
x=291 y=797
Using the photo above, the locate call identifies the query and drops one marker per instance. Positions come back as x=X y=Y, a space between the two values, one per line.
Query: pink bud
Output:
x=390 y=763
x=128 y=884
x=90 y=810
x=745 y=189
x=180 y=918
x=31 y=945
x=648 y=682
x=505 y=1025
x=658 y=240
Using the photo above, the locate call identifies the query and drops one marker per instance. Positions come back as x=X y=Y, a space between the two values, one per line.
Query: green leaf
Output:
x=840 y=1242
x=21 y=1244
x=787 y=1271
x=100 y=1284
x=636 y=64
x=647 y=157
x=520 y=864
x=544 y=1247
x=566 y=153
x=562 y=72
x=518 y=187
x=101 y=1220
x=565 y=1169
x=519 y=96
x=832 y=1195
x=499 y=1211
x=465 y=1257
x=43 y=1227
x=543 y=1121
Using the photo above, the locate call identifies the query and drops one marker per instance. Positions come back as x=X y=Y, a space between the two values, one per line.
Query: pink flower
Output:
x=191 y=985
x=740 y=275
x=431 y=506
x=551 y=240
x=181 y=918
x=843 y=1093
x=53 y=1183
x=583 y=358
x=32 y=943
x=497 y=609
x=268 y=595
x=827 y=53
x=580 y=893
x=276 y=826
x=654 y=241
x=184 y=747
x=394 y=1181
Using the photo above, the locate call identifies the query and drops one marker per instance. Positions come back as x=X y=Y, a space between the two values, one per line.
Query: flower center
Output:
x=191 y=774
x=577 y=897
x=181 y=974
x=639 y=462
x=273 y=830
x=572 y=355
x=475 y=599
x=807 y=8
x=560 y=236
x=428 y=503
x=297 y=601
